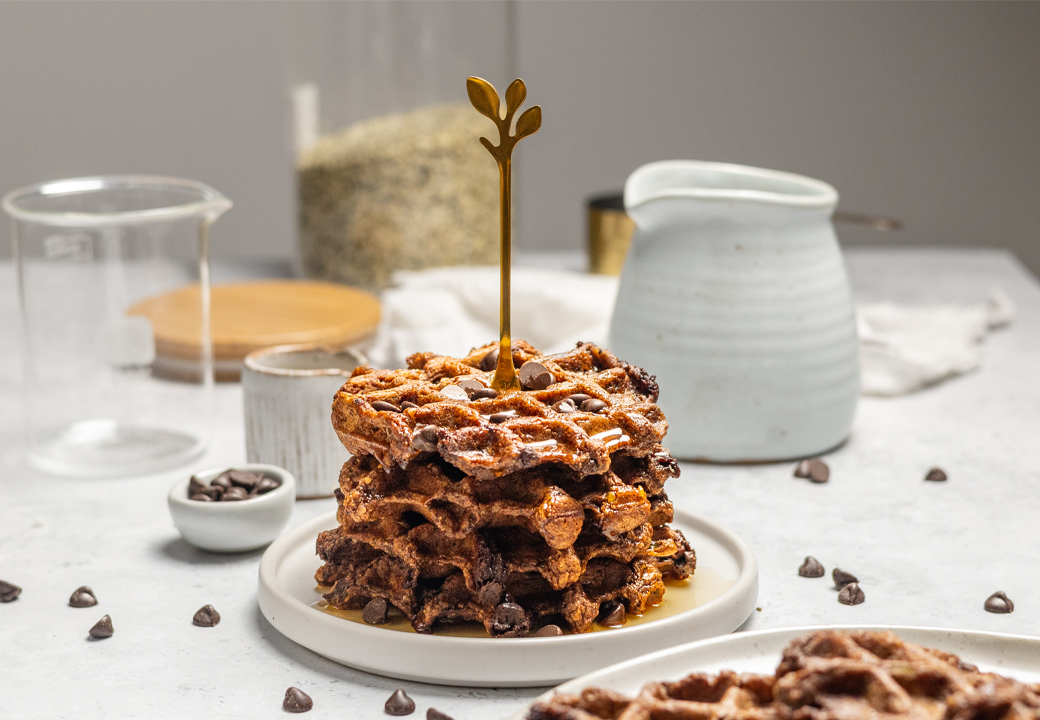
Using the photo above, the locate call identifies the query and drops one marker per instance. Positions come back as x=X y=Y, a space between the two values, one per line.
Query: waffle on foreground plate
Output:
x=827 y=675
x=513 y=510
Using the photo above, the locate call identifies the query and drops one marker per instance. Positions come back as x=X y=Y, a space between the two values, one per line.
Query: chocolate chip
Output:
x=102 y=628
x=199 y=497
x=535 y=376
x=399 y=704
x=296 y=701
x=593 y=405
x=8 y=591
x=842 y=578
x=613 y=615
x=502 y=416
x=851 y=594
x=83 y=597
x=565 y=406
x=425 y=440
x=222 y=481
x=206 y=616
x=490 y=361
x=213 y=492
x=195 y=486
x=471 y=385
x=235 y=493
x=408 y=405
x=578 y=398
x=435 y=714
x=936 y=475
x=376 y=612
x=813 y=469
x=549 y=631
x=999 y=603
x=454 y=392
x=811 y=568
x=245 y=478
x=509 y=619
x=385 y=406
x=488 y=393
x=266 y=485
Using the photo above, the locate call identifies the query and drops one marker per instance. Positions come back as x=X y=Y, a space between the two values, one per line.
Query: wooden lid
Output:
x=249 y=316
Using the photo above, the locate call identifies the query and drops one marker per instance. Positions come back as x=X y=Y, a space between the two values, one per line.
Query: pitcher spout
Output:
x=656 y=185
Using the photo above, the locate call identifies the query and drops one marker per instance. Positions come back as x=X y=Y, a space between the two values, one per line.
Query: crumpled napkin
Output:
x=450 y=310
x=454 y=309
x=903 y=348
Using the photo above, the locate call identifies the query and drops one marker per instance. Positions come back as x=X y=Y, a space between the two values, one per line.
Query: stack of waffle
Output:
x=515 y=510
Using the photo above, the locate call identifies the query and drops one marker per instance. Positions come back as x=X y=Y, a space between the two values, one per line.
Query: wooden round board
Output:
x=248 y=316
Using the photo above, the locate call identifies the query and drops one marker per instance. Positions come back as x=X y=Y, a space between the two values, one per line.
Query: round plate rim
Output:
x=274 y=600
x=740 y=638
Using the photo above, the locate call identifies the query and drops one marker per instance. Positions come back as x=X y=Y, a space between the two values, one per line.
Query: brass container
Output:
x=610 y=233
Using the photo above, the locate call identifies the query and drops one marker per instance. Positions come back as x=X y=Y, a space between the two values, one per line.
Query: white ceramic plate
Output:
x=759 y=652
x=287 y=592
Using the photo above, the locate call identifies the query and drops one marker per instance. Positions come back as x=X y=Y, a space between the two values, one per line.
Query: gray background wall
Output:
x=928 y=112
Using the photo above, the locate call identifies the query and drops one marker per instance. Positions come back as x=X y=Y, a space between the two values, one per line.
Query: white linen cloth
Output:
x=903 y=348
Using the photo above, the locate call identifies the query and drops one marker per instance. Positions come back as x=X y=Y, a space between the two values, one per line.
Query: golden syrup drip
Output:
x=680 y=596
x=485 y=99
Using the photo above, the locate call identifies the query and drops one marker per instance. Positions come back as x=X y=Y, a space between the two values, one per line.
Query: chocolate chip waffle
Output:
x=553 y=502
x=593 y=405
x=828 y=675
x=726 y=696
x=432 y=577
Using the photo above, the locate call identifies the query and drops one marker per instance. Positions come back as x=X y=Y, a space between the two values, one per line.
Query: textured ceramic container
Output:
x=734 y=294
x=288 y=392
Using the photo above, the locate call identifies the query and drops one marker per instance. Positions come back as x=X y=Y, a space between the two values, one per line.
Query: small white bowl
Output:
x=234 y=526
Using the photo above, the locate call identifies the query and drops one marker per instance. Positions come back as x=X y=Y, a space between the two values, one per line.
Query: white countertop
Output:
x=925 y=553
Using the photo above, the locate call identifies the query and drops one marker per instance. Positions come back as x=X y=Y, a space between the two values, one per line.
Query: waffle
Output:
x=828 y=675
x=833 y=675
x=435 y=578
x=488 y=437
x=553 y=502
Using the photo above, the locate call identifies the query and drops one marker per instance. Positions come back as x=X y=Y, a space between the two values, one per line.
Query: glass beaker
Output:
x=113 y=280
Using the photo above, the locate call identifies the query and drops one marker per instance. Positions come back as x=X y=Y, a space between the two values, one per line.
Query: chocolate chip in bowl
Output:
x=247 y=506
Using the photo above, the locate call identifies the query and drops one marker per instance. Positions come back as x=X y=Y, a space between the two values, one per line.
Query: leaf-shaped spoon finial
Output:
x=485 y=99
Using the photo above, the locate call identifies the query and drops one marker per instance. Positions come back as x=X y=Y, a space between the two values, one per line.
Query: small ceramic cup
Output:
x=234 y=526
x=287 y=393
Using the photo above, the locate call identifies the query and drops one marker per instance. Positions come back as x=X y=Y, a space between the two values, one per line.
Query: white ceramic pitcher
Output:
x=734 y=294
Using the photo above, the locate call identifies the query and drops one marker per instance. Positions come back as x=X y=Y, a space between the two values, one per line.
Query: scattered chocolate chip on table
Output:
x=851 y=594
x=102 y=628
x=435 y=714
x=811 y=568
x=842 y=578
x=399 y=704
x=8 y=591
x=936 y=475
x=83 y=597
x=206 y=616
x=813 y=469
x=296 y=701
x=999 y=603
